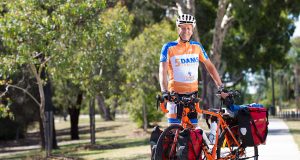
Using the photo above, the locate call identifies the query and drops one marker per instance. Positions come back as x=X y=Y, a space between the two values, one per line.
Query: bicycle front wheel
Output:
x=166 y=137
x=233 y=152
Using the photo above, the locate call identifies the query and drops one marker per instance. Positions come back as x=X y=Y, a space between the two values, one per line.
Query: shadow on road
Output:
x=278 y=132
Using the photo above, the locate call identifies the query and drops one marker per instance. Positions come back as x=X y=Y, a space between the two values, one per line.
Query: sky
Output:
x=297 y=30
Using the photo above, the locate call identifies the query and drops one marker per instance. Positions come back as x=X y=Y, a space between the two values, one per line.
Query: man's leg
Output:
x=172 y=114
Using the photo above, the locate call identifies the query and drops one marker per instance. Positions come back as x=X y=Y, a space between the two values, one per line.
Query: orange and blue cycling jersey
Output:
x=183 y=63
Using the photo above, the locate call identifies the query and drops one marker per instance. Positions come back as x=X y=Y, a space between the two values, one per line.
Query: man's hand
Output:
x=224 y=95
x=222 y=91
x=165 y=94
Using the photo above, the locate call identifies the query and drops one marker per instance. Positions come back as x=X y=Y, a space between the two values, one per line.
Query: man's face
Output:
x=185 y=31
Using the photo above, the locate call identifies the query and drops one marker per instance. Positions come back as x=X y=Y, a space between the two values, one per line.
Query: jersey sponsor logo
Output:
x=189 y=77
x=186 y=61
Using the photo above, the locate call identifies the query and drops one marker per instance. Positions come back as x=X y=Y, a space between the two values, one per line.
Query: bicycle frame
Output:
x=186 y=123
x=221 y=124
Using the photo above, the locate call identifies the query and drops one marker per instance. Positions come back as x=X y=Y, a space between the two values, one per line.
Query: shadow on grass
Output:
x=84 y=130
x=116 y=145
x=295 y=131
x=62 y=135
x=143 y=156
x=20 y=156
x=17 y=150
x=86 y=149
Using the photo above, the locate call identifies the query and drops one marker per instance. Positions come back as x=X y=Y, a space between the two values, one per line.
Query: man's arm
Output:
x=213 y=72
x=163 y=74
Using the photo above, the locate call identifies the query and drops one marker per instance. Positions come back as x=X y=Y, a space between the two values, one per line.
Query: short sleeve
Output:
x=165 y=50
x=202 y=55
x=164 y=53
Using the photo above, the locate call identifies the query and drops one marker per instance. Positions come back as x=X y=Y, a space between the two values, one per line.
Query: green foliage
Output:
x=91 y=66
x=259 y=36
x=206 y=13
x=140 y=62
x=19 y=110
x=294 y=55
x=146 y=13
x=5 y=112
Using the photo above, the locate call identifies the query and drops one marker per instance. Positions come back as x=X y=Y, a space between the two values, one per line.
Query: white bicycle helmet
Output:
x=186 y=19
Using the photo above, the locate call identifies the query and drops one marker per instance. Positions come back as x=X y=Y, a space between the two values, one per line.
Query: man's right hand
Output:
x=165 y=94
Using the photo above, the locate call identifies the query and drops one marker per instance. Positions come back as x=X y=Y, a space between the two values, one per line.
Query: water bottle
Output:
x=213 y=131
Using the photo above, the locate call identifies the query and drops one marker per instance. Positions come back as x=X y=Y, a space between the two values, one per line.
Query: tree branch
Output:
x=24 y=90
x=44 y=62
x=159 y=5
x=3 y=93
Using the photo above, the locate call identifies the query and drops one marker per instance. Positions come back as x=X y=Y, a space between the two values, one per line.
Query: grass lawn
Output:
x=294 y=127
x=120 y=139
x=115 y=140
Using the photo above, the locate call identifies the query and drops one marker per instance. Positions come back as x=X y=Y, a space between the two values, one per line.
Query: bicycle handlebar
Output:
x=189 y=99
x=176 y=98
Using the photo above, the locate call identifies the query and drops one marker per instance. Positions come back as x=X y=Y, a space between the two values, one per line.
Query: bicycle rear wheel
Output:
x=169 y=132
x=224 y=151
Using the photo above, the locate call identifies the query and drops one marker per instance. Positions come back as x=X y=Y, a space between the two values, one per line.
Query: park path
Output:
x=280 y=144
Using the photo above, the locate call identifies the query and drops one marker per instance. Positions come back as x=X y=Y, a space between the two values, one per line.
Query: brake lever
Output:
x=159 y=99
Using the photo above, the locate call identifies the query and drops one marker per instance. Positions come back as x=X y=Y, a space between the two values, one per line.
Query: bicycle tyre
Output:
x=159 y=149
x=253 y=151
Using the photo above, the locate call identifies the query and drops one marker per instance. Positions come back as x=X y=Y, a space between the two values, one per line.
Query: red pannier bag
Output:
x=253 y=125
x=189 y=145
x=166 y=144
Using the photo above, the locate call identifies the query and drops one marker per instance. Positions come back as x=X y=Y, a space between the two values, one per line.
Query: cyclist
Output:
x=179 y=62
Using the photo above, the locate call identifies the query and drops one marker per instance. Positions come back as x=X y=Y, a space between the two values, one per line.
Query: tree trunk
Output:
x=297 y=89
x=101 y=105
x=102 y=108
x=272 y=83
x=222 y=24
x=185 y=7
x=74 y=112
x=49 y=109
x=37 y=75
x=54 y=141
x=92 y=121
x=42 y=134
x=115 y=106
x=74 y=118
x=145 y=124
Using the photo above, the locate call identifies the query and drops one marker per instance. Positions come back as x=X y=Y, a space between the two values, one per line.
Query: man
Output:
x=179 y=62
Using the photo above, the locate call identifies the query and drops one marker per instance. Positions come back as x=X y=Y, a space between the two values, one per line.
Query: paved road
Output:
x=280 y=144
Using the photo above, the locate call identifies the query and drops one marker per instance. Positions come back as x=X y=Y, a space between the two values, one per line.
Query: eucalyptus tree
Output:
x=90 y=65
x=40 y=36
x=240 y=35
x=140 y=62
